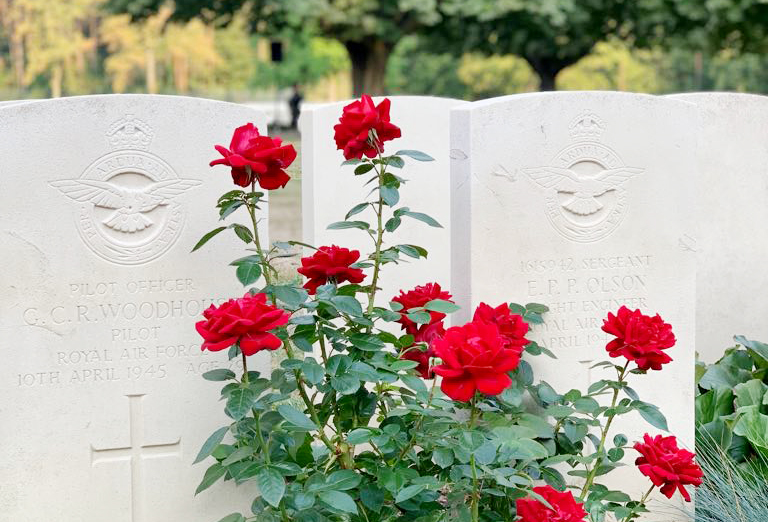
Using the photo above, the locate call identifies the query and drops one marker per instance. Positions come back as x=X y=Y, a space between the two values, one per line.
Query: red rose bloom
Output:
x=511 y=326
x=330 y=263
x=426 y=335
x=640 y=338
x=364 y=127
x=266 y=157
x=667 y=465
x=414 y=353
x=564 y=507
x=246 y=321
x=417 y=298
x=474 y=358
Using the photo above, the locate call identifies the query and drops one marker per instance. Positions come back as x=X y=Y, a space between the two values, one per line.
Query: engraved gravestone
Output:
x=594 y=215
x=730 y=194
x=102 y=401
x=330 y=190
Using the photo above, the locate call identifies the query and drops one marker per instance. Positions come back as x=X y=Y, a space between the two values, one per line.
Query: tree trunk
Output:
x=547 y=70
x=369 y=65
x=151 y=71
x=57 y=76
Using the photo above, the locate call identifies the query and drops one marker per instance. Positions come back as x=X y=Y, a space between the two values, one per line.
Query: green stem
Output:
x=264 y=263
x=475 y=484
x=642 y=503
x=245 y=368
x=379 y=239
x=262 y=444
x=416 y=427
x=603 y=436
x=287 y=344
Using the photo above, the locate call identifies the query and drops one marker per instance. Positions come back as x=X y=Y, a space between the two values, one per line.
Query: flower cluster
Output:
x=474 y=362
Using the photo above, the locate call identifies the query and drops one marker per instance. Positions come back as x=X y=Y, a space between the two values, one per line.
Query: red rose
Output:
x=474 y=358
x=417 y=298
x=640 y=338
x=267 y=158
x=414 y=353
x=511 y=326
x=330 y=263
x=667 y=465
x=246 y=321
x=364 y=127
x=564 y=507
x=425 y=335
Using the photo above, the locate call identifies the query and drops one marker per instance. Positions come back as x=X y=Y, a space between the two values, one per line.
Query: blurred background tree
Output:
x=334 y=48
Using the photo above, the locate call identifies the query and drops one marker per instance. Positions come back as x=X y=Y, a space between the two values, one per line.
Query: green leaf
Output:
x=363 y=168
x=212 y=474
x=651 y=414
x=415 y=154
x=219 y=374
x=392 y=224
x=248 y=273
x=353 y=161
x=338 y=500
x=209 y=445
x=366 y=342
x=348 y=305
x=340 y=225
x=441 y=305
x=342 y=480
x=239 y=403
x=295 y=417
x=423 y=218
x=292 y=297
x=414 y=383
x=443 y=457
x=409 y=492
x=372 y=497
x=356 y=210
x=345 y=384
x=237 y=455
x=243 y=232
x=234 y=517
x=750 y=393
x=271 y=485
x=303 y=501
x=359 y=436
x=389 y=195
x=410 y=250
x=313 y=372
x=207 y=237
x=419 y=317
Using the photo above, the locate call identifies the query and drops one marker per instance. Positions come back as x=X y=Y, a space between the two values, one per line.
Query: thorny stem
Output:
x=379 y=239
x=603 y=436
x=287 y=345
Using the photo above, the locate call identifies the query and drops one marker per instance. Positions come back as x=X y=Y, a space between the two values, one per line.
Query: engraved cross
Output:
x=135 y=453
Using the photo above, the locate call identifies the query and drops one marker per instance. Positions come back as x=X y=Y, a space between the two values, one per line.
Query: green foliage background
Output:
x=53 y=48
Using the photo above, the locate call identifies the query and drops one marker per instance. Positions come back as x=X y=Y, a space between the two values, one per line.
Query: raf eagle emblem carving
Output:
x=130 y=204
x=584 y=191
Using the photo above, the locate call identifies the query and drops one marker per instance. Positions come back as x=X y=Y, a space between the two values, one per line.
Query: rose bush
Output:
x=379 y=412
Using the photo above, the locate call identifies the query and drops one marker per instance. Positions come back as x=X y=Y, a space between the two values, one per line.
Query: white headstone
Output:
x=330 y=190
x=102 y=402
x=581 y=201
x=731 y=250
